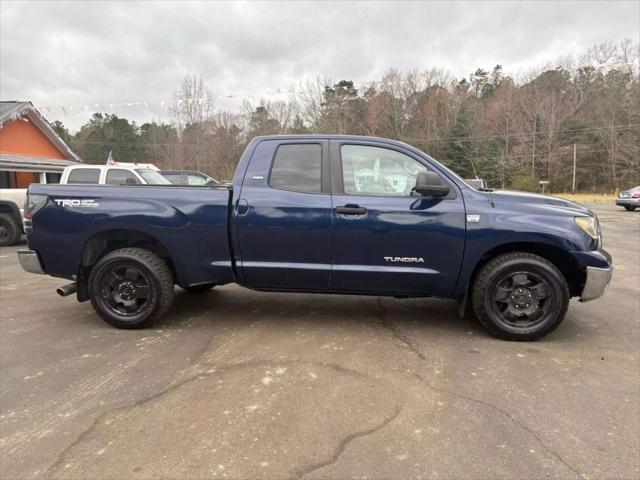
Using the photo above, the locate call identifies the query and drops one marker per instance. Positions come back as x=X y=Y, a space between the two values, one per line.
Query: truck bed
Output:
x=192 y=223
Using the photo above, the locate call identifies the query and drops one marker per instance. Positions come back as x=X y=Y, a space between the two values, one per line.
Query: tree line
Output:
x=511 y=130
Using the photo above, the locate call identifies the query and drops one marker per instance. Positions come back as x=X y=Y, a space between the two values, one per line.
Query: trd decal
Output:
x=76 y=202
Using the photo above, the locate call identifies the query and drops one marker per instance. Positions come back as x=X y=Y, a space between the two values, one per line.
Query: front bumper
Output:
x=597 y=281
x=30 y=261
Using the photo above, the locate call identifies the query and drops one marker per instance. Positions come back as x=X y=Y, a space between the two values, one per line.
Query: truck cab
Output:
x=353 y=221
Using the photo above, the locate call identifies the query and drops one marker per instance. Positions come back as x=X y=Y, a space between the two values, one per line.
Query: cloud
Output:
x=62 y=53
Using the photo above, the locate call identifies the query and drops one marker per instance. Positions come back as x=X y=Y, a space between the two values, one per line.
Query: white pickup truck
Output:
x=11 y=212
x=12 y=199
x=122 y=173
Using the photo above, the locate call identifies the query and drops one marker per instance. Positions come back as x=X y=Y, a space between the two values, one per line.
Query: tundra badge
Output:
x=404 y=259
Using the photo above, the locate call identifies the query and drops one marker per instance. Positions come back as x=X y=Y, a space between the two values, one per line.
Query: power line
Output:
x=541 y=156
x=527 y=135
x=403 y=139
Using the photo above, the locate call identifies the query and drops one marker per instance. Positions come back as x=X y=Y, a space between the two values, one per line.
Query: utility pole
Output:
x=573 y=188
x=533 y=152
x=613 y=156
x=475 y=173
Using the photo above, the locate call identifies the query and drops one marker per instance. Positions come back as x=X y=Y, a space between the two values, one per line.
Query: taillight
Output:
x=32 y=204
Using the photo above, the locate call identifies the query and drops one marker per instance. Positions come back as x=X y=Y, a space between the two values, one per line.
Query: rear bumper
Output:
x=596 y=283
x=30 y=261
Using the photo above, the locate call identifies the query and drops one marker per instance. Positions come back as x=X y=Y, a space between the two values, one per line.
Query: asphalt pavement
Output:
x=242 y=384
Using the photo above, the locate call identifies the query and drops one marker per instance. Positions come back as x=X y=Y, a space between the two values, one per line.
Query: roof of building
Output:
x=13 y=110
x=33 y=164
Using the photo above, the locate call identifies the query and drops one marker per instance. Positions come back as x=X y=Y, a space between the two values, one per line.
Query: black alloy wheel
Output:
x=521 y=300
x=131 y=288
x=520 y=296
x=124 y=290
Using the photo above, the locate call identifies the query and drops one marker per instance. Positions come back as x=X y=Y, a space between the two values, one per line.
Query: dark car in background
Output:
x=189 y=177
x=477 y=183
x=629 y=199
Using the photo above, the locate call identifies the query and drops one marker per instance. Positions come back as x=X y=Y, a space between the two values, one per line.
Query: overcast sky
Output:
x=58 y=53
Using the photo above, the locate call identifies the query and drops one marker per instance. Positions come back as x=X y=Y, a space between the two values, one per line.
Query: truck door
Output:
x=283 y=216
x=386 y=239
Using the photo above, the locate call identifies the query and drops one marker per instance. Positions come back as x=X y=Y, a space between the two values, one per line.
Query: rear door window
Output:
x=297 y=167
x=84 y=175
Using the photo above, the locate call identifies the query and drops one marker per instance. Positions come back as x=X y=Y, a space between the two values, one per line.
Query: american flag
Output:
x=110 y=161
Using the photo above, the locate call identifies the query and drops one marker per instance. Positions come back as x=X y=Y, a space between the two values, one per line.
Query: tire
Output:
x=629 y=208
x=520 y=296
x=131 y=288
x=198 y=289
x=10 y=231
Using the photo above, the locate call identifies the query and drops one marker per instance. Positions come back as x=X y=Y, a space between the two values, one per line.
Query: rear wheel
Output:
x=520 y=296
x=131 y=288
x=9 y=230
x=629 y=208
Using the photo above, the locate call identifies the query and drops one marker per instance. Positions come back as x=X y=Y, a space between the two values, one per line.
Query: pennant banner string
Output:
x=360 y=86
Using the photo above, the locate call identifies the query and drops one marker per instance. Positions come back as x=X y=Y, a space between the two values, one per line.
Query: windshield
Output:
x=152 y=177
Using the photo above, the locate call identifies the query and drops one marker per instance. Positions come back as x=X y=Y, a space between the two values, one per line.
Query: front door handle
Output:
x=351 y=209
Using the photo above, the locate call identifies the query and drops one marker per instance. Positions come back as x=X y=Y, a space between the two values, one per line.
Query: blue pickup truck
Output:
x=325 y=214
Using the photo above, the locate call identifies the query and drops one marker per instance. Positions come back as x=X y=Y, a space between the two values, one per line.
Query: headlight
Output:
x=589 y=225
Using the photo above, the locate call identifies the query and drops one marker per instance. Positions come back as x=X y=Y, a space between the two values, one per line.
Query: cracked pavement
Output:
x=242 y=384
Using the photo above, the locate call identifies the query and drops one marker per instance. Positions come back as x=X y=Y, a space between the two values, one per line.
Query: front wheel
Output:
x=520 y=296
x=629 y=208
x=131 y=288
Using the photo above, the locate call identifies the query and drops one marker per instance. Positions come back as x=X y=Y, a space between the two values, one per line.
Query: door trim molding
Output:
x=341 y=268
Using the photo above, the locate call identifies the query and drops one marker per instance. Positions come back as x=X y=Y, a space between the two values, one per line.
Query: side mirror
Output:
x=430 y=184
x=130 y=181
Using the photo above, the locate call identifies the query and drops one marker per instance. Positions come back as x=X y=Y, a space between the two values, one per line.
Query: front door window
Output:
x=376 y=171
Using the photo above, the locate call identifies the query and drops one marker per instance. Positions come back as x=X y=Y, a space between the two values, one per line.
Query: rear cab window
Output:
x=297 y=167
x=84 y=175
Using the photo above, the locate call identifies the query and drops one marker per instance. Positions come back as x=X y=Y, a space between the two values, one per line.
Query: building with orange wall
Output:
x=30 y=150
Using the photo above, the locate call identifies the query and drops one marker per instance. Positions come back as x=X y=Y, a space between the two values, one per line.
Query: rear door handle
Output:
x=351 y=209
x=242 y=207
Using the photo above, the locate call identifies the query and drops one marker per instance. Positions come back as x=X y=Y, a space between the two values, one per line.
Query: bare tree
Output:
x=193 y=102
x=503 y=127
